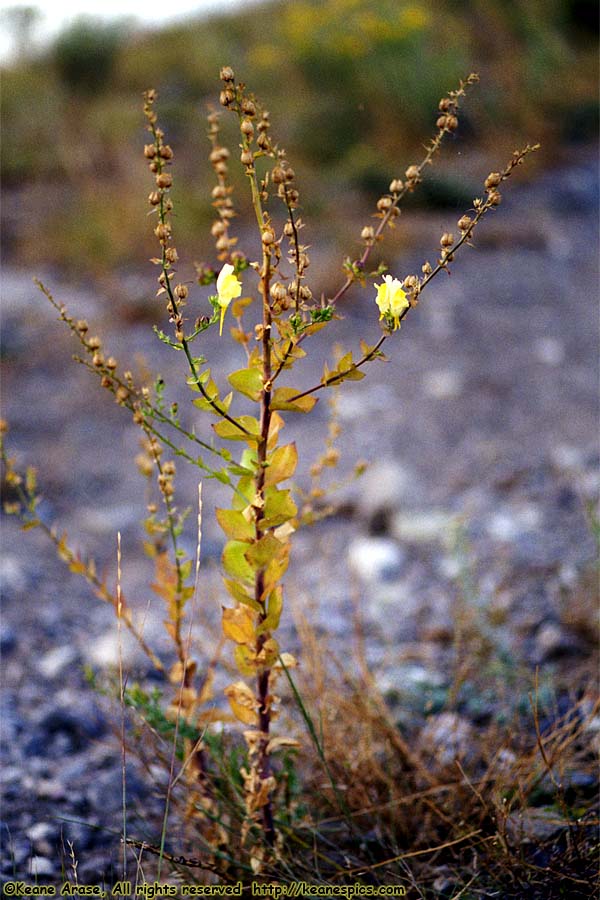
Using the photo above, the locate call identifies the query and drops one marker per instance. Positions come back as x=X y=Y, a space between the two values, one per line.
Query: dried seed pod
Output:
x=149 y=151
x=164 y=180
x=464 y=223
x=447 y=239
x=396 y=186
x=226 y=74
x=493 y=180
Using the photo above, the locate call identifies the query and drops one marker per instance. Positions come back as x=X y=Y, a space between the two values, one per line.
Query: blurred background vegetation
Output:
x=352 y=86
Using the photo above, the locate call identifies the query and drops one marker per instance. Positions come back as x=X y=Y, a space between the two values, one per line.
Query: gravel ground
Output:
x=481 y=433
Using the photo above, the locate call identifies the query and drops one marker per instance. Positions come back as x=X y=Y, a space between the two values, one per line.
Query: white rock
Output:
x=385 y=485
x=549 y=351
x=56 y=661
x=422 y=526
x=375 y=558
x=443 y=384
x=40 y=866
x=447 y=736
x=510 y=523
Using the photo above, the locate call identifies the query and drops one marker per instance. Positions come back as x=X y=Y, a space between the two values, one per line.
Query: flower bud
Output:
x=248 y=107
x=218 y=228
x=247 y=157
x=445 y=104
x=162 y=231
x=154 y=198
x=268 y=237
x=447 y=239
x=226 y=74
x=384 y=203
x=494 y=198
x=288 y=229
x=98 y=359
x=82 y=326
x=278 y=175
x=166 y=152
x=149 y=151
x=111 y=363
x=412 y=173
x=226 y=98
x=442 y=121
x=182 y=291
x=464 y=223
x=94 y=343
x=396 y=186
x=164 y=180
x=451 y=123
x=368 y=233
x=171 y=255
x=121 y=394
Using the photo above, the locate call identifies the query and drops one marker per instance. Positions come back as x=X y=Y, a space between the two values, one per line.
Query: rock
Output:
x=55 y=661
x=422 y=526
x=532 y=825
x=549 y=350
x=383 y=488
x=443 y=384
x=8 y=638
x=106 y=649
x=446 y=736
x=511 y=523
x=50 y=789
x=41 y=866
x=42 y=836
x=375 y=558
x=552 y=642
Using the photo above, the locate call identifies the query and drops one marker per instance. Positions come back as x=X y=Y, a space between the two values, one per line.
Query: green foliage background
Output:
x=352 y=86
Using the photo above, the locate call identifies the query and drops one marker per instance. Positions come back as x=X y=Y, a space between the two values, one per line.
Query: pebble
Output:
x=41 y=866
x=422 y=526
x=384 y=487
x=552 y=641
x=549 y=351
x=375 y=558
x=533 y=825
x=510 y=524
x=55 y=661
x=8 y=638
x=443 y=385
x=447 y=736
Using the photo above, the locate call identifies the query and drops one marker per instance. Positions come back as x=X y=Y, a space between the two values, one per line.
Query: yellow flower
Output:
x=228 y=288
x=391 y=299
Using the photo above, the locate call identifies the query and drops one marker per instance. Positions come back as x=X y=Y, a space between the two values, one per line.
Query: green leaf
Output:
x=235 y=526
x=247 y=382
x=235 y=563
x=281 y=398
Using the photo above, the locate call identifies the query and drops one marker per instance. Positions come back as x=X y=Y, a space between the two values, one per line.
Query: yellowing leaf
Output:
x=235 y=525
x=282 y=398
x=277 y=743
x=238 y=306
x=275 y=427
x=247 y=382
x=238 y=593
x=230 y=431
x=281 y=464
x=263 y=551
x=245 y=660
x=274 y=607
x=238 y=625
x=243 y=703
x=279 y=507
x=269 y=654
x=235 y=563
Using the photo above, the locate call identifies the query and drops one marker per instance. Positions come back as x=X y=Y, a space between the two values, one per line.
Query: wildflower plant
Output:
x=272 y=312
